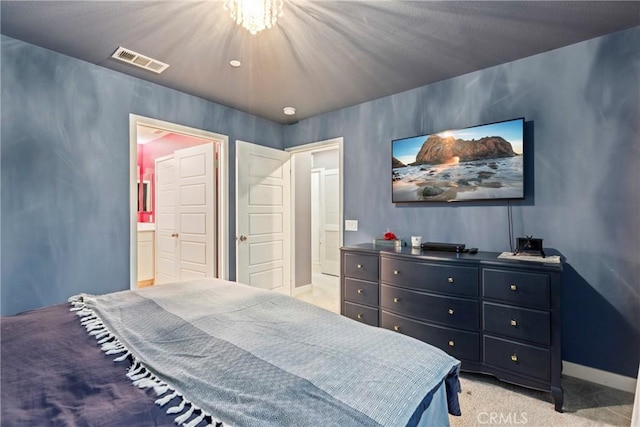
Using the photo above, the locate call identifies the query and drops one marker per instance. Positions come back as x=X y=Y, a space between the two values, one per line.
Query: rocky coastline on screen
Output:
x=438 y=150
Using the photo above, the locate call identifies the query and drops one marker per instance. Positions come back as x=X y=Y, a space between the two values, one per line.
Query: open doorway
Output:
x=317 y=222
x=178 y=224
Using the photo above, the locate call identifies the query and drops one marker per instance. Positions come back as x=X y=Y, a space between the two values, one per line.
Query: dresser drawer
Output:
x=522 y=288
x=361 y=292
x=518 y=358
x=520 y=323
x=361 y=313
x=360 y=266
x=459 y=344
x=430 y=277
x=454 y=312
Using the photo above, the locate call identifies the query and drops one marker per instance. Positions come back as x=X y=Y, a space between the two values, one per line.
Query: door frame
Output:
x=222 y=213
x=325 y=145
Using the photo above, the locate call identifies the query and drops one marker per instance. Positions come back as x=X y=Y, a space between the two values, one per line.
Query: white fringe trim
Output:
x=139 y=375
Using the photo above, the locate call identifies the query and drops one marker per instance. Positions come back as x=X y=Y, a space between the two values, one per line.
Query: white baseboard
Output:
x=301 y=289
x=599 y=376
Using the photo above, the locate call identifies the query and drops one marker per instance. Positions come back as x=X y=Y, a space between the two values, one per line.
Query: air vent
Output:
x=134 y=58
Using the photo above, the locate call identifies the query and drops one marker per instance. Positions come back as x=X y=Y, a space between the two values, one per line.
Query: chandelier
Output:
x=254 y=15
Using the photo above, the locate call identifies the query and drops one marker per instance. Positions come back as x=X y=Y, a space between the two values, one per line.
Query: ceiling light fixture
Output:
x=254 y=15
x=289 y=111
x=235 y=63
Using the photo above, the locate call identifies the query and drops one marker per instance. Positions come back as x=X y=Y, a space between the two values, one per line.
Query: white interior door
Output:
x=195 y=213
x=330 y=219
x=166 y=243
x=263 y=239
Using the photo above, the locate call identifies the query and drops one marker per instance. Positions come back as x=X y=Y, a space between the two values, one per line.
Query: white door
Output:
x=185 y=235
x=330 y=220
x=263 y=238
x=166 y=243
x=195 y=213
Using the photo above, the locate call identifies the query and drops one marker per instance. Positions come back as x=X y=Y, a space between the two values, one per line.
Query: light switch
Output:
x=351 y=225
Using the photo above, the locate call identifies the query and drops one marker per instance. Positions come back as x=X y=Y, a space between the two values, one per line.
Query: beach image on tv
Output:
x=478 y=163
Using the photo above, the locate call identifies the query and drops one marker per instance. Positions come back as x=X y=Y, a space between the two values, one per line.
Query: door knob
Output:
x=243 y=238
x=174 y=234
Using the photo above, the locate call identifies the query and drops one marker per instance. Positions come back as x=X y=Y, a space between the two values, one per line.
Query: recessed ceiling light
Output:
x=289 y=111
x=235 y=63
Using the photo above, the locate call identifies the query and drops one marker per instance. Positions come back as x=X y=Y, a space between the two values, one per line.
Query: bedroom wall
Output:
x=65 y=170
x=582 y=110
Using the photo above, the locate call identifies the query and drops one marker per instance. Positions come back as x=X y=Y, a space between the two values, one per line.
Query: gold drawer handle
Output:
x=514 y=358
x=396 y=272
x=450 y=279
x=513 y=287
x=450 y=311
x=452 y=344
x=359 y=266
x=359 y=316
x=514 y=322
x=396 y=300
x=360 y=291
x=396 y=328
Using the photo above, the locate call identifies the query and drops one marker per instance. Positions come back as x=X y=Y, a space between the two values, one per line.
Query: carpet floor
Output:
x=486 y=401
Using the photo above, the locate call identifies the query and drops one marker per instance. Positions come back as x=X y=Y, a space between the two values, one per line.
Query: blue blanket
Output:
x=223 y=352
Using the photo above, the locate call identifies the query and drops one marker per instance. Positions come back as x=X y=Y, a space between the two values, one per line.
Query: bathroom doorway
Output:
x=192 y=210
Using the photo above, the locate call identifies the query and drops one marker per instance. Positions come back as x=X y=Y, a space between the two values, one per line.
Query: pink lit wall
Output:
x=148 y=153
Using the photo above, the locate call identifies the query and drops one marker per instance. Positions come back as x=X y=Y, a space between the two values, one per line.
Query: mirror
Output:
x=144 y=196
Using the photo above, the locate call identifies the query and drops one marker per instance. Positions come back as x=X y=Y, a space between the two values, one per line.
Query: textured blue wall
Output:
x=582 y=108
x=65 y=170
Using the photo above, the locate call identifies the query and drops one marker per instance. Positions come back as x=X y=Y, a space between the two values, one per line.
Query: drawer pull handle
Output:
x=396 y=299
x=360 y=291
x=452 y=344
x=359 y=266
x=396 y=328
x=450 y=279
x=450 y=311
x=513 y=287
x=514 y=358
x=359 y=316
x=396 y=272
x=514 y=322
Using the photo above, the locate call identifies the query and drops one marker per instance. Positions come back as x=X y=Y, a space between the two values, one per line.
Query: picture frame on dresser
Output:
x=500 y=317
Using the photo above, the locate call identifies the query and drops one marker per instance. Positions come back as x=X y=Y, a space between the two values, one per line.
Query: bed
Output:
x=213 y=352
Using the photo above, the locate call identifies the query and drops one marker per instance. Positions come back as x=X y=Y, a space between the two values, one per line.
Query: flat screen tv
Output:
x=483 y=162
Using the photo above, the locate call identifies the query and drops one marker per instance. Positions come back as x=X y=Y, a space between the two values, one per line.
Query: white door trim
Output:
x=328 y=144
x=222 y=214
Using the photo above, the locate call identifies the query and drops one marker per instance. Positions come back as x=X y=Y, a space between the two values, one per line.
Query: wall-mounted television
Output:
x=483 y=162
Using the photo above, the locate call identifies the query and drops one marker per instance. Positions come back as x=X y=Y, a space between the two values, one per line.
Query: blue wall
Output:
x=582 y=108
x=65 y=170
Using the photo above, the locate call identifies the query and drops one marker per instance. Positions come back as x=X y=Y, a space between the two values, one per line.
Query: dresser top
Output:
x=481 y=257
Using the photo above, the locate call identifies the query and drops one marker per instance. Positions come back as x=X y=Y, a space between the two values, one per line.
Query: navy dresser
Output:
x=498 y=317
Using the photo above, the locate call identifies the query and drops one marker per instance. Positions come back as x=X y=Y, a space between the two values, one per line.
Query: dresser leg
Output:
x=558 y=397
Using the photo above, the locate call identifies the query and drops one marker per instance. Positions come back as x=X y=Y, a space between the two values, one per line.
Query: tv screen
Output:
x=477 y=163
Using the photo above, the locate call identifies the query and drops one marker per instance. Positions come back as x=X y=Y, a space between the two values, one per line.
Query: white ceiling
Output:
x=321 y=55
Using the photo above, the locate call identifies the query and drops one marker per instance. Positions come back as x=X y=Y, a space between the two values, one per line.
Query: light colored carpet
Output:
x=486 y=401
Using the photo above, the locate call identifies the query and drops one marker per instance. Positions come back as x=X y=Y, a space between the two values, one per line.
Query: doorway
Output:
x=279 y=182
x=170 y=141
x=317 y=222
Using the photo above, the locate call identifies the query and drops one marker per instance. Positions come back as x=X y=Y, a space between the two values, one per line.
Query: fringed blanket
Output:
x=221 y=352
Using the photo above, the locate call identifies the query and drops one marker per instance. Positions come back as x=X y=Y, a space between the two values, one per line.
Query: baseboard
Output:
x=301 y=289
x=599 y=376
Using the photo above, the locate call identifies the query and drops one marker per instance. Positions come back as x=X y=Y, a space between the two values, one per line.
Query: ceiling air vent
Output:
x=134 y=58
